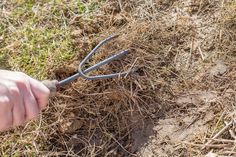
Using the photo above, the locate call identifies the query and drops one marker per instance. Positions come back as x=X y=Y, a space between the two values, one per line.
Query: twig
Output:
x=222 y=140
x=217 y=123
x=232 y=133
x=209 y=145
x=120 y=5
x=219 y=133
x=228 y=153
x=191 y=51
x=131 y=67
x=196 y=119
x=201 y=53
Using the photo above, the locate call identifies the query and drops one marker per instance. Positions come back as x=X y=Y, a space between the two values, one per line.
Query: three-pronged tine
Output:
x=83 y=73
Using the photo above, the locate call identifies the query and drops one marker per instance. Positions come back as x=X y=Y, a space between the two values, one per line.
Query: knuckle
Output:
x=14 y=90
x=5 y=101
x=21 y=77
x=21 y=83
x=3 y=89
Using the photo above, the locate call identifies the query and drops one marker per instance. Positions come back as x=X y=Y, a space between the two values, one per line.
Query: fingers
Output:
x=5 y=113
x=31 y=107
x=40 y=91
x=6 y=123
x=30 y=104
x=19 y=114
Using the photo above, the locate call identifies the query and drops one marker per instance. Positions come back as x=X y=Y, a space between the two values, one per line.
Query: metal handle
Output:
x=52 y=85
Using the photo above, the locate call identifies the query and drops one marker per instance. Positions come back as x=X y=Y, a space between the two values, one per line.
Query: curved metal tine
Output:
x=114 y=57
x=95 y=49
x=108 y=60
x=96 y=66
x=107 y=76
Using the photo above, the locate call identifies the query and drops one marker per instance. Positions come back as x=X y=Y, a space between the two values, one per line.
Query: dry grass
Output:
x=173 y=46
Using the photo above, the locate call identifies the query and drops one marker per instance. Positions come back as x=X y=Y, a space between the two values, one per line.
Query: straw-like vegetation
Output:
x=178 y=101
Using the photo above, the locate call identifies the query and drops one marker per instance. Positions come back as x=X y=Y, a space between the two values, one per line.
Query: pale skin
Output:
x=21 y=99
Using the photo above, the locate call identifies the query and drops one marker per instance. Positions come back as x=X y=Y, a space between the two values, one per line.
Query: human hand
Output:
x=21 y=98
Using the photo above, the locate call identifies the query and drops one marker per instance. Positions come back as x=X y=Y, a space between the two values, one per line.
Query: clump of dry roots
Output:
x=97 y=118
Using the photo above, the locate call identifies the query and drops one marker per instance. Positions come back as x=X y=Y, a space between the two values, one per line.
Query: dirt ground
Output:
x=179 y=99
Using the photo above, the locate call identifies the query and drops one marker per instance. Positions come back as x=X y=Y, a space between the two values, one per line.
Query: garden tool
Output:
x=53 y=85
